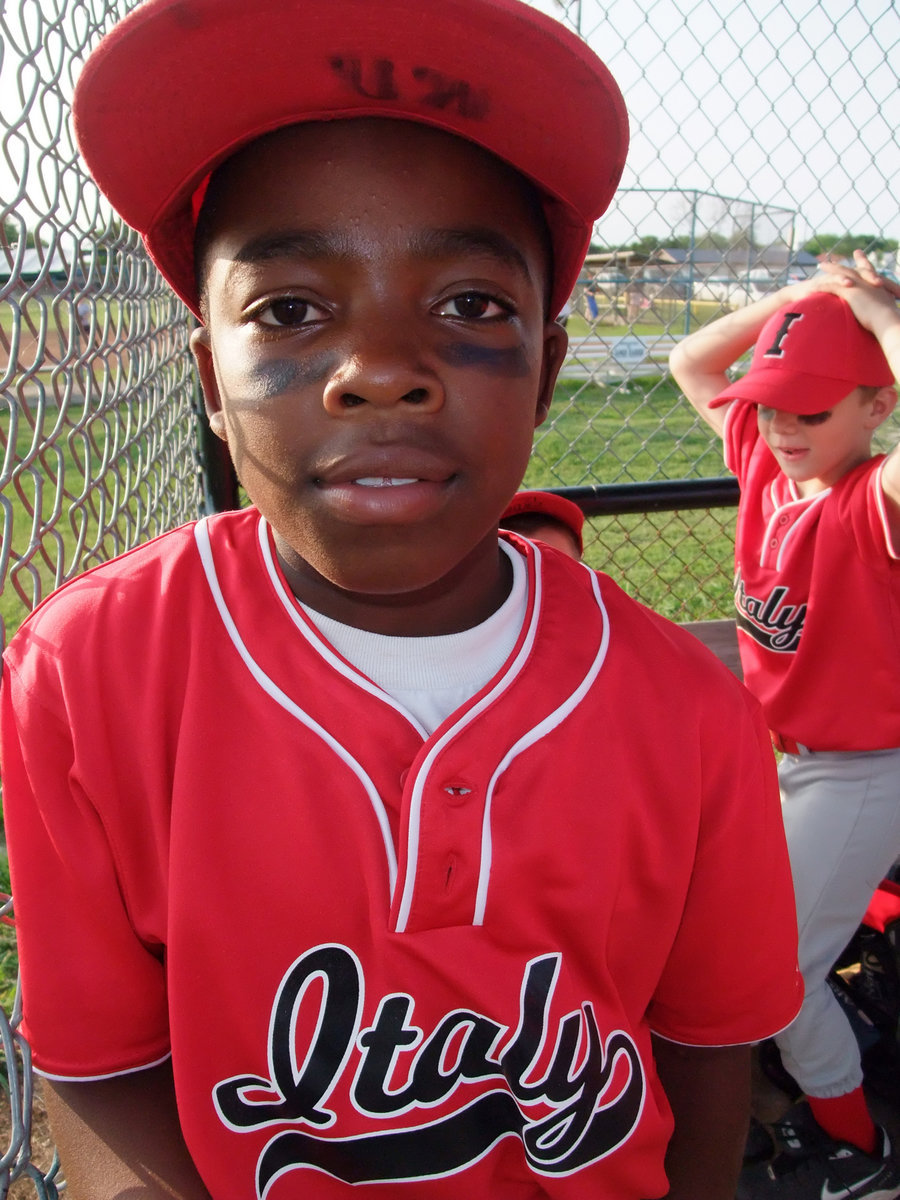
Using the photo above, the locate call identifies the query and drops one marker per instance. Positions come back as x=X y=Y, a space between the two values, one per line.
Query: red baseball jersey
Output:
x=429 y=965
x=817 y=589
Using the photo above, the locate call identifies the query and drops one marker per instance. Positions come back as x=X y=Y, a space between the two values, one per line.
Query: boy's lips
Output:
x=383 y=481
x=395 y=487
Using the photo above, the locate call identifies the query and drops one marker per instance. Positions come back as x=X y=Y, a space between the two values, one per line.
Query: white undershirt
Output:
x=432 y=676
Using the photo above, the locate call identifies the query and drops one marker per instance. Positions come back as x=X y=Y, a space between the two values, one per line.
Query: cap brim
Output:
x=788 y=391
x=180 y=85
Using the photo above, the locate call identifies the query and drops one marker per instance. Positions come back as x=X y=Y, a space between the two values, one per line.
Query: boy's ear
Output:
x=556 y=343
x=883 y=404
x=202 y=352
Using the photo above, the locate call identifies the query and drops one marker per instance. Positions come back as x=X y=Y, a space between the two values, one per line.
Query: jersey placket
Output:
x=450 y=826
x=444 y=806
x=779 y=529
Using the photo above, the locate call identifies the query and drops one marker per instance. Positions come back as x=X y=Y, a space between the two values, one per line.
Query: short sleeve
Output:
x=862 y=509
x=93 y=989
x=740 y=437
x=732 y=975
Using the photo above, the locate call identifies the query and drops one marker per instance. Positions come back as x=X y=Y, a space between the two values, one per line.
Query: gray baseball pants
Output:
x=842 y=820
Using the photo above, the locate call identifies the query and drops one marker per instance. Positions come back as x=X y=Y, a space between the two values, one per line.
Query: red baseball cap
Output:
x=808 y=357
x=178 y=86
x=549 y=504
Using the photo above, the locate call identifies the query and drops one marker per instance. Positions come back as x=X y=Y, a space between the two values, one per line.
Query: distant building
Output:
x=624 y=283
x=35 y=264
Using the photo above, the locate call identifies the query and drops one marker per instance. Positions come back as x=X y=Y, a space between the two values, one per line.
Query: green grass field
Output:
x=83 y=486
x=46 y=522
x=680 y=563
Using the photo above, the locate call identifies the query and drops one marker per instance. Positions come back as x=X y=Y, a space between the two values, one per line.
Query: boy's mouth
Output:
x=402 y=492
x=382 y=481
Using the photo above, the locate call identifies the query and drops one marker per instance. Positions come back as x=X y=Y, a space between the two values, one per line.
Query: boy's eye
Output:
x=472 y=306
x=768 y=414
x=287 y=311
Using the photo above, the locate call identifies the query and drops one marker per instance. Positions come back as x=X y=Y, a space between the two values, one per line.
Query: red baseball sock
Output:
x=846 y=1119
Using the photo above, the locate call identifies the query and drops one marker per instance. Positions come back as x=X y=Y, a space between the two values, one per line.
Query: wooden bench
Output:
x=721 y=638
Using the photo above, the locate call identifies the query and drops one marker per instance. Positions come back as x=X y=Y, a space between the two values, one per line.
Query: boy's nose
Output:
x=784 y=422
x=383 y=371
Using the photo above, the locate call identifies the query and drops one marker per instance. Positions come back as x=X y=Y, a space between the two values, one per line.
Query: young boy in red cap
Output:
x=817 y=590
x=549 y=517
x=355 y=850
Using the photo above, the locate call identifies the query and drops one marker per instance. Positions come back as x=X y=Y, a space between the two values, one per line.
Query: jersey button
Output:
x=457 y=792
x=450 y=873
x=783 y=520
x=773 y=543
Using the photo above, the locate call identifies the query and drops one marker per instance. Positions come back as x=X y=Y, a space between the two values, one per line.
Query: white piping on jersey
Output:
x=502 y=684
x=809 y=501
x=540 y=730
x=315 y=638
x=105 y=1075
x=415 y=804
x=201 y=534
x=881 y=502
x=773 y=494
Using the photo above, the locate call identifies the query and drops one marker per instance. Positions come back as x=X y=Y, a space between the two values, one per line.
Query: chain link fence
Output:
x=96 y=392
x=97 y=403
x=763 y=135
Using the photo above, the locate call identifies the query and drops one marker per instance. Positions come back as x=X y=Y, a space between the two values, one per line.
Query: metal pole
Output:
x=691 y=248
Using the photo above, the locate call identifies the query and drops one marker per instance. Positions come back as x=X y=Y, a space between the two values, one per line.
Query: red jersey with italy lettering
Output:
x=817 y=590
x=385 y=962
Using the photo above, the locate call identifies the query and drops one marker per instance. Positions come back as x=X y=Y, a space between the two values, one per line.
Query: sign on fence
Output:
x=627 y=351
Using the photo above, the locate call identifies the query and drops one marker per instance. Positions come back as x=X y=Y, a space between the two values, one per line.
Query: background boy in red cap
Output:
x=549 y=517
x=818 y=601
x=422 y=853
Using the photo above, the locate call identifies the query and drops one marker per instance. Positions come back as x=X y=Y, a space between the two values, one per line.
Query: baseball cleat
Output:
x=837 y=1171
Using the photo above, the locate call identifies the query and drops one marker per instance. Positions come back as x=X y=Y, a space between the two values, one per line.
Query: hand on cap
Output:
x=829 y=277
x=870 y=275
x=862 y=272
x=872 y=296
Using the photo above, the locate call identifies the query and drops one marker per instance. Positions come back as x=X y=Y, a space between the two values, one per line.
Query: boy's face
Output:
x=377 y=356
x=554 y=534
x=817 y=450
x=551 y=533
